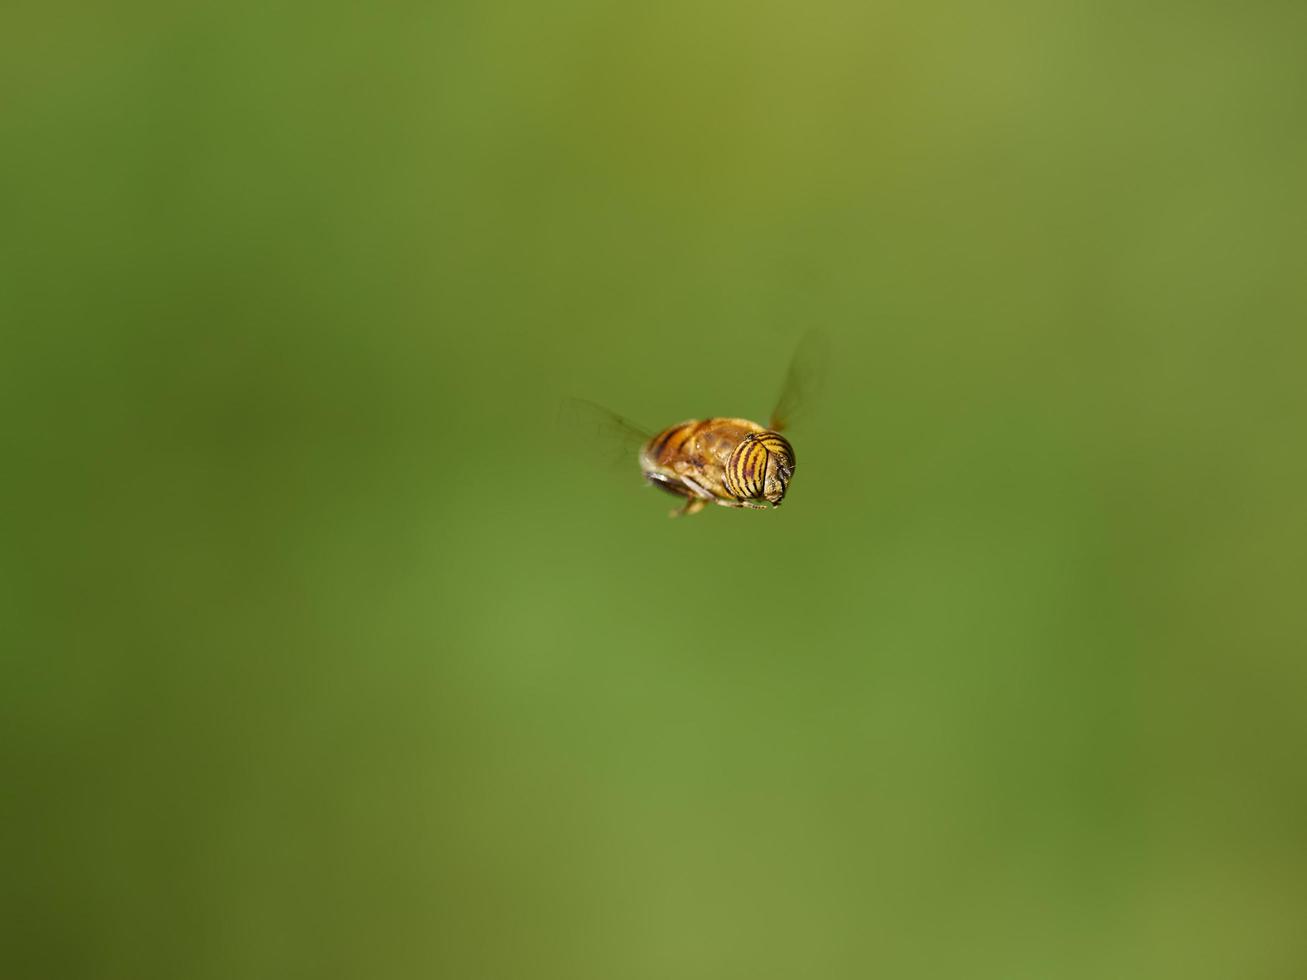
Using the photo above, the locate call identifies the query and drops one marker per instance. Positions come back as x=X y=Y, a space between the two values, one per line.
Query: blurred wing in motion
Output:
x=594 y=431
x=803 y=381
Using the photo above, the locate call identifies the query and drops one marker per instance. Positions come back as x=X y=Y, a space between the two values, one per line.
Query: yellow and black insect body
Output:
x=728 y=461
x=733 y=462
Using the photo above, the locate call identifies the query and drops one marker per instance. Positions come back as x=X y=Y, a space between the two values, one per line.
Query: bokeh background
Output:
x=326 y=656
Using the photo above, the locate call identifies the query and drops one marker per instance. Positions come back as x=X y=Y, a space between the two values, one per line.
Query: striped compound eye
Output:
x=760 y=468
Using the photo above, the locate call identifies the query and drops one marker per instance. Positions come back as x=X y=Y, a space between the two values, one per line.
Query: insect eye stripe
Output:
x=745 y=469
x=781 y=447
x=729 y=475
x=735 y=470
x=753 y=463
x=761 y=458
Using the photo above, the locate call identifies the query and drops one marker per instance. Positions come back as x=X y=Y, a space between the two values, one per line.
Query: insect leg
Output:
x=692 y=506
x=747 y=504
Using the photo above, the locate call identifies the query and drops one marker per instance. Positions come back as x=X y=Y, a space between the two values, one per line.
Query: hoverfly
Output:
x=733 y=462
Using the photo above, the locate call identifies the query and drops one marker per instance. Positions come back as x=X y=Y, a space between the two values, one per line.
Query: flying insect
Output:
x=733 y=462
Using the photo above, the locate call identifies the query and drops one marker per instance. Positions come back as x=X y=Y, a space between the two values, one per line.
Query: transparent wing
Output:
x=604 y=436
x=803 y=381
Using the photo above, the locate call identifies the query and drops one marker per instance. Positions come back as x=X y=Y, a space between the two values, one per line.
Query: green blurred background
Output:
x=324 y=656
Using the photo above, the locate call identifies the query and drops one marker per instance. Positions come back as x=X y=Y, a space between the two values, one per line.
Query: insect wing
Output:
x=803 y=380
x=603 y=436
